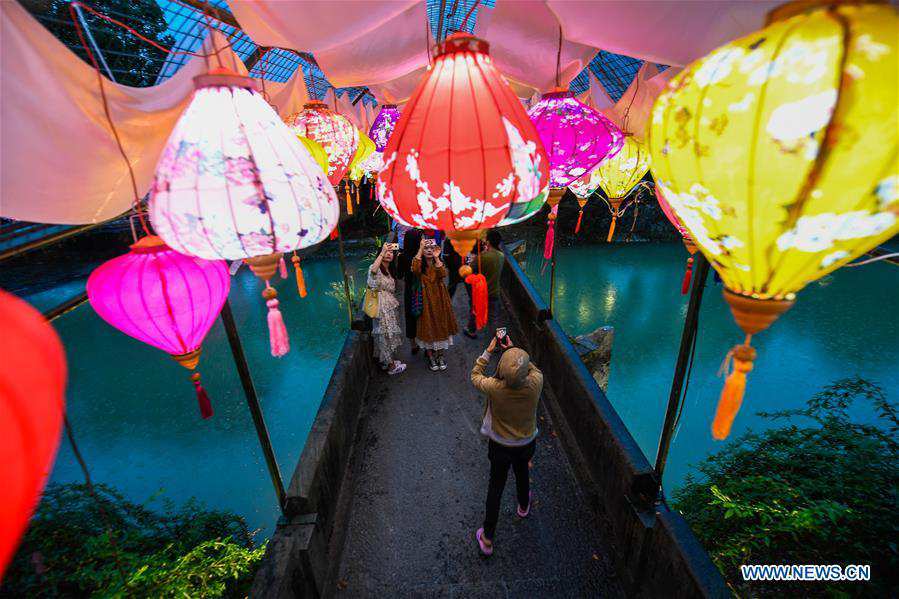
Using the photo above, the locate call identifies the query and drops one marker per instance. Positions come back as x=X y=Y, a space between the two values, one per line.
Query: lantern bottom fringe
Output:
x=277 y=331
x=550 y=240
x=479 y=299
x=731 y=399
x=301 y=280
x=202 y=397
x=580 y=215
x=688 y=276
x=612 y=228
x=282 y=268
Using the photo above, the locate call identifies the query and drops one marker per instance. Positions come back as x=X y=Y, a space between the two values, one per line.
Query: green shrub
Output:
x=824 y=493
x=187 y=552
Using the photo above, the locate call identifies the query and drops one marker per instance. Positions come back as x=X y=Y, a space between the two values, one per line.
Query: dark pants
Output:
x=501 y=458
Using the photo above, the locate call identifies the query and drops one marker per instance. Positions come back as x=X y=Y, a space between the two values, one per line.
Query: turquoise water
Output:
x=135 y=415
x=841 y=326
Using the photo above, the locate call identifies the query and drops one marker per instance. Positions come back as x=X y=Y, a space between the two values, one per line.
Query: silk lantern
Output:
x=576 y=138
x=464 y=155
x=383 y=125
x=32 y=402
x=234 y=182
x=365 y=149
x=333 y=131
x=778 y=153
x=316 y=151
x=619 y=174
x=163 y=298
x=685 y=237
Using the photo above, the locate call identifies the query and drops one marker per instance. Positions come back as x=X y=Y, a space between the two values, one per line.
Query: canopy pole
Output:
x=675 y=398
x=249 y=390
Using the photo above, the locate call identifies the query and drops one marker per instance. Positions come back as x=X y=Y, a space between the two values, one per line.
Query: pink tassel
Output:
x=202 y=397
x=550 y=237
x=276 y=329
x=282 y=268
x=688 y=275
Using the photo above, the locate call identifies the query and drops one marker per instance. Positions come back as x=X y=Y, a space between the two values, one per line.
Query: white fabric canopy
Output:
x=596 y=96
x=59 y=162
x=632 y=111
x=667 y=32
x=289 y=97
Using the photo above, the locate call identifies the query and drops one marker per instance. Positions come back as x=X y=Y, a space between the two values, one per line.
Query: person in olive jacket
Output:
x=510 y=425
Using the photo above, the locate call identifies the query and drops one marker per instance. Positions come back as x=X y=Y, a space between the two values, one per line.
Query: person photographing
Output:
x=436 y=324
x=510 y=425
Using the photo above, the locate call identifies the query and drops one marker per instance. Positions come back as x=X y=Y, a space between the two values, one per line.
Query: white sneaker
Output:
x=397 y=368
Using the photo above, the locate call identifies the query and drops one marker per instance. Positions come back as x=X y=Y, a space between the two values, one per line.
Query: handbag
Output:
x=370 y=303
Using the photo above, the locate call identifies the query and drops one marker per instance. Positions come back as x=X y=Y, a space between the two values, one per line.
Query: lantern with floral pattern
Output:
x=779 y=153
x=464 y=155
x=163 y=298
x=618 y=175
x=333 y=131
x=383 y=125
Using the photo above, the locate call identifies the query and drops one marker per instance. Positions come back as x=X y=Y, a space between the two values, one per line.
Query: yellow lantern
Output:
x=778 y=152
x=365 y=149
x=317 y=151
x=619 y=175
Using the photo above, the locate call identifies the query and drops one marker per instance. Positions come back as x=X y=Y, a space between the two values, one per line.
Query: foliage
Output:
x=133 y=61
x=190 y=552
x=819 y=494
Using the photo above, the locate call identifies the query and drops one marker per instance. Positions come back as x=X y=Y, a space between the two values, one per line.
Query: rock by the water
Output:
x=595 y=350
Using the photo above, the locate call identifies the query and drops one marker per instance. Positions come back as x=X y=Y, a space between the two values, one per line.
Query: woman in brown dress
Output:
x=437 y=323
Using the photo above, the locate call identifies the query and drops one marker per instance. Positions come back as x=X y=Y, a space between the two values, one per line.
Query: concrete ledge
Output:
x=296 y=562
x=658 y=555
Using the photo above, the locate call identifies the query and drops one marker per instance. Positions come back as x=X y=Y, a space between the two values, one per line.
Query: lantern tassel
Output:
x=276 y=330
x=550 y=236
x=333 y=235
x=301 y=280
x=349 y=201
x=202 y=397
x=580 y=215
x=688 y=276
x=282 y=268
x=357 y=194
x=742 y=357
x=612 y=228
x=479 y=303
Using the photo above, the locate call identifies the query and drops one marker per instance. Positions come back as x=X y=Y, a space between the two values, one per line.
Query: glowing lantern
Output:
x=234 y=182
x=32 y=401
x=316 y=151
x=383 y=126
x=366 y=148
x=619 y=174
x=575 y=136
x=464 y=155
x=778 y=153
x=334 y=132
x=163 y=298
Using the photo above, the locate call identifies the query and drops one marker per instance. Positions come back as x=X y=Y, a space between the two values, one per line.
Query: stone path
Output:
x=418 y=494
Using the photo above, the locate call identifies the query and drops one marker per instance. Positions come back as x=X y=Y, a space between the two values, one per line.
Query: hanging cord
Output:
x=559 y=60
x=468 y=14
x=877 y=259
x=636 y=203
x=93 y=42
x=627 y=111
x=96 y=498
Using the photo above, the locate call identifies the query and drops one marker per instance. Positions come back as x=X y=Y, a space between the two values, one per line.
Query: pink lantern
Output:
x=576 y=137
x=383 y=126
x=163 y=298
x=334 y=132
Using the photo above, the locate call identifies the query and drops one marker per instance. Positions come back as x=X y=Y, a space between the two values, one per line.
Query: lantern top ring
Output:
x=558 y=93
x=150 y=244
x=462 y=42
x=315 y=105
x=221 y=77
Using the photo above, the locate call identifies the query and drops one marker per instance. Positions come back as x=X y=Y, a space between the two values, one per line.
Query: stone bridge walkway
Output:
x=419 y=481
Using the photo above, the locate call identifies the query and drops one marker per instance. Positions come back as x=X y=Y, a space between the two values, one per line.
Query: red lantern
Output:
x=464 y=155
x=32 y=401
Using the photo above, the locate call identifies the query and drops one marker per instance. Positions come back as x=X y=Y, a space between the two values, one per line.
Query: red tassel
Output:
x=580 y=215
x=688 y=275
x=550 y=233
x=371 y=191
x=479 y=299
x=282 y=268
x=202 y=397
x=333 y=234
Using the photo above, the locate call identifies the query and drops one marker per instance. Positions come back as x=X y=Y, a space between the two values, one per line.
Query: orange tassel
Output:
x=301 y=280
x=734 y=387
x=349 y=201
x=357 y=194
x=612 y=228
x=580 y=215
x=479 y=299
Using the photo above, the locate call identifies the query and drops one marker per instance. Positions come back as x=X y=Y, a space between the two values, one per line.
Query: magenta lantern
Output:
x=163 y=298
x=576 y=137
x=383 y=126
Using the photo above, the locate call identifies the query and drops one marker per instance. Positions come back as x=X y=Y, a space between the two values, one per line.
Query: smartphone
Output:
x=430 y=242
x=501 y=333
x=393 y=247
